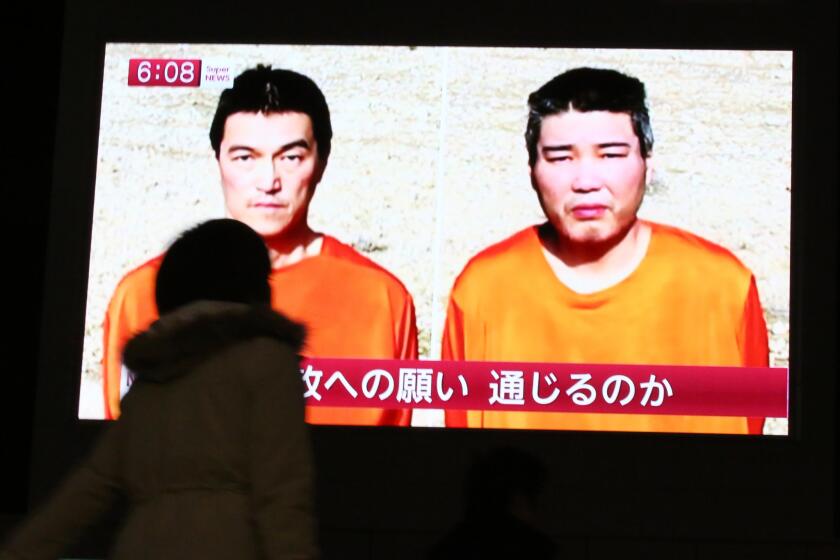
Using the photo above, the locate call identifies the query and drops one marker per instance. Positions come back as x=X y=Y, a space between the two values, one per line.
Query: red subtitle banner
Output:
x=547 y=387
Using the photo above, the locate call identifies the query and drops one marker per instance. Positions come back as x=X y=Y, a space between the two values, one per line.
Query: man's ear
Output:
x=650 y=170
x=317 y=175
x=320 y=167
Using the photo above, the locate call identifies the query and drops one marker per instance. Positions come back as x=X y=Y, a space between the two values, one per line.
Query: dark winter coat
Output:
x=211 y=449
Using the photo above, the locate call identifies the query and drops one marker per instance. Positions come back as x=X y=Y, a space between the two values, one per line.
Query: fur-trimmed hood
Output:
x=188 y=335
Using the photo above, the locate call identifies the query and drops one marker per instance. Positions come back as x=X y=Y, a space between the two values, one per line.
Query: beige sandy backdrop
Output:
x=429 y=164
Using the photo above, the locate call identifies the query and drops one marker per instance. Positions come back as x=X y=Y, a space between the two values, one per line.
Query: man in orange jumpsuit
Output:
x=271 y=136
x=595 y=284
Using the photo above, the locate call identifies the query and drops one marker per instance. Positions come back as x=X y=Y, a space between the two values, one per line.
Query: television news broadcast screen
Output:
x=428 y=190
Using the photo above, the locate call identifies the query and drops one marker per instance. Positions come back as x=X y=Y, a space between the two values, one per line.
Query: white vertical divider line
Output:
x=440 y=191
x=434 y=417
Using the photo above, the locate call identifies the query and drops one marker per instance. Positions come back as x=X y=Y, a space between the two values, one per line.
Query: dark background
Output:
x=32 y=40
x=31 y=35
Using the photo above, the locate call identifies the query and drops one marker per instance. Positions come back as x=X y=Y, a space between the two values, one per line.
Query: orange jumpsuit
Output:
x=689 y=302
x=352 y=307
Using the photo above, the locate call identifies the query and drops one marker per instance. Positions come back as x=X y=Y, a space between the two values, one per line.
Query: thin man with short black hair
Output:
x=594 y=283
x=271 y=136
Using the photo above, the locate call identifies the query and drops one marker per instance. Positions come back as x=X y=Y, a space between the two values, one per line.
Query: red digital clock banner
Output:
x=168 y=72
x=547 y=387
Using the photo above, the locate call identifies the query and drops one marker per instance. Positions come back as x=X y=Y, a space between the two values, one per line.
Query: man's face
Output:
x=269 y=167
x=589 y=174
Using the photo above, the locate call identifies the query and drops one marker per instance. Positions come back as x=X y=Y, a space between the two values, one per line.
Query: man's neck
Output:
x=293 y=247
x=591 y=267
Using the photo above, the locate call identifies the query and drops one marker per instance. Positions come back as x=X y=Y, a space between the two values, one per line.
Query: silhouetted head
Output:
x=219 y=260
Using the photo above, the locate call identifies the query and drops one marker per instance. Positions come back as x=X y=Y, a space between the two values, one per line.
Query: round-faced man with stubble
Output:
x=271 y=136
x=594 y=283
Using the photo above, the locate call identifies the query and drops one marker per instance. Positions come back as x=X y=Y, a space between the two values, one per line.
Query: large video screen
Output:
x=599 y=274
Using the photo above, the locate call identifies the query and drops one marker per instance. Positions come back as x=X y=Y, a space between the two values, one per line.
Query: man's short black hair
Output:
x=218 y=260
x=266 y=90
x=589 y=89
